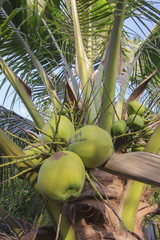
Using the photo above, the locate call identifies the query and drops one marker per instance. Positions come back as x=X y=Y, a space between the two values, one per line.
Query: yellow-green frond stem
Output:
x=153 y=145
x=130 y=204
x=66 y=230
x=83 y=66
x=132 y=196
x=107 y=112
x=22 y=93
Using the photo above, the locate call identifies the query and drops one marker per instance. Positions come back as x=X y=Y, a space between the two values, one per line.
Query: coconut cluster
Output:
x=134 y=122
x=61 y=175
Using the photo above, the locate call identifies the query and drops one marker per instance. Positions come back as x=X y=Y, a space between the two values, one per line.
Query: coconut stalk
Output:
x=9 y=148
x=133 y=194
x=97 y=77
x=109 y=86
x=83 y=66
x=73 y=81
x=72 y=78
x=22 y=92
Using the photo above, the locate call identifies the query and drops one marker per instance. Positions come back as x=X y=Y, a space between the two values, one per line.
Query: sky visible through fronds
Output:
x=19 y=107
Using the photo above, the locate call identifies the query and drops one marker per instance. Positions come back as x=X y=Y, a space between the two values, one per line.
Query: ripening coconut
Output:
x=65 y=129
x=135 y=122
x=93 y=144
x=62 y=176
x=135 y=107
x=119 y=127
x=34 y=150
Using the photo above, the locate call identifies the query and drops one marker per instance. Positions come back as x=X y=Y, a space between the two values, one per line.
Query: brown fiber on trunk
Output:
x=94 y=219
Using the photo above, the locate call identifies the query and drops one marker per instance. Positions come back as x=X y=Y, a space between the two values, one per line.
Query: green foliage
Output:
x=17 y=197
x=18 y=126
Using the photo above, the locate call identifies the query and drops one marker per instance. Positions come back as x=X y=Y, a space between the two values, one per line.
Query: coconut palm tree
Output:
x=77 y=58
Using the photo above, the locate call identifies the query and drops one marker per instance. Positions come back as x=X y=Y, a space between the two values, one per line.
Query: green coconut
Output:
x=34 y=150
x=138 y=149
x=119 y=127
x=64 y=132
x=135 y=107
x=147 y=133
x=62 y=112
x=135 y=122
x=62 y=176
x=93 y=144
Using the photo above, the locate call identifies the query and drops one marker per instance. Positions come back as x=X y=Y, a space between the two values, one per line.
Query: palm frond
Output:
x=16 y=125
x=148 y=61
x=96 y=20
x=140 y=14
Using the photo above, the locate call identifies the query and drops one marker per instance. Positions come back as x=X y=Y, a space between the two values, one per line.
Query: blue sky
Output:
x=18 y=107
x=130 y=24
